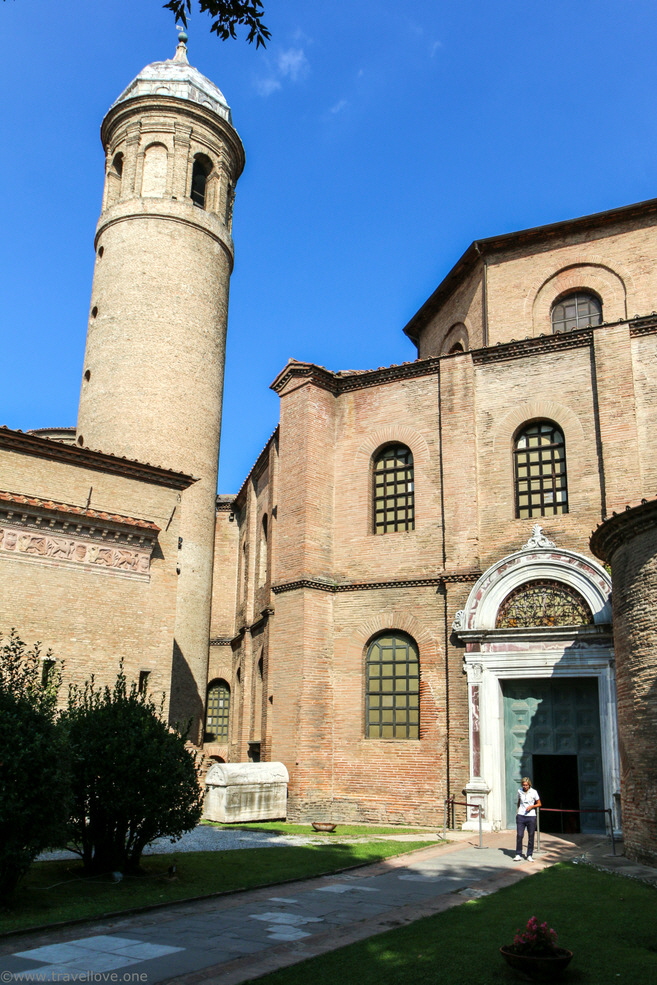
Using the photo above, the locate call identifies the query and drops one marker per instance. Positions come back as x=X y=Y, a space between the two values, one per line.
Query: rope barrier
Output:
x=449 y=804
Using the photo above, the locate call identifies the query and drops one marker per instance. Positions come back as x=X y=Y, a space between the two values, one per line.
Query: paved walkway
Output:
x=241 y=936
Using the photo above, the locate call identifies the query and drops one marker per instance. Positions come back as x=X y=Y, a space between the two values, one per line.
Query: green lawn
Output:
x=610 y=924
x=58 y=891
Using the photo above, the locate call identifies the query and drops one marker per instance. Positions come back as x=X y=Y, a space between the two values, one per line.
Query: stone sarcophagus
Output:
x=245 y=792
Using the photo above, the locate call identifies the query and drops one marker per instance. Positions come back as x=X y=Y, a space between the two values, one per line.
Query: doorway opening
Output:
x=557 y=782
x=552 y=733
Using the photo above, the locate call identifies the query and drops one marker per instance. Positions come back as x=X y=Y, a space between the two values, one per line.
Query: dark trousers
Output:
x=528 y=823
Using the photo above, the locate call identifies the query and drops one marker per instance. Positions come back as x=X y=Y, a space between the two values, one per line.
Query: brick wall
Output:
x=93 y=617
x=332 y=584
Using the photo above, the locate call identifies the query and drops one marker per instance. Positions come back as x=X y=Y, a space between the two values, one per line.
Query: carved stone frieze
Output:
x=45 y=534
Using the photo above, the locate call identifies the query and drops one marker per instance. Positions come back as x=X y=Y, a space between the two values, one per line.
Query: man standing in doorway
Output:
x=528 y=801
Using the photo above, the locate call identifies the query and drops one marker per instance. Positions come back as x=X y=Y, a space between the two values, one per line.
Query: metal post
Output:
x=611 y=829
x=481 y=837
x=445 y=802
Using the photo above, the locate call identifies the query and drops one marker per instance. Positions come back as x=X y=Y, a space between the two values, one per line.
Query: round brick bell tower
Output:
x=154 y=362
x=628 y=542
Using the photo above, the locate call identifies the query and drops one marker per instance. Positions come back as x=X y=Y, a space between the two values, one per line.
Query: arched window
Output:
x=456 y=340
x=114 y=177
x=154 y=176
x=394 y=502
x=543 y=603
x=576 y=311
x=393 y=688
x=200 y=173
x=540 y=471
x=218 y=712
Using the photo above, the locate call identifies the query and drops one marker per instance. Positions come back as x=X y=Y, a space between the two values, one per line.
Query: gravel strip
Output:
x=205 y=838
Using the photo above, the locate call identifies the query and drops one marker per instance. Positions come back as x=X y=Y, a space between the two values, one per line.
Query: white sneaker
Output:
x=518 y=858
x=530 y=858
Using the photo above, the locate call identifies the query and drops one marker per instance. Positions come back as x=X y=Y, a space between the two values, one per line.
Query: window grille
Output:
x=540 y=471
x=543 y=603
x=394 y=497
x=393 y=689
x=576 y=311
x=218 y=712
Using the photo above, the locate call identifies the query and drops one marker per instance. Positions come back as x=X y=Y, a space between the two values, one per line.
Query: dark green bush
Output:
x=133 y=778
x=34 y=764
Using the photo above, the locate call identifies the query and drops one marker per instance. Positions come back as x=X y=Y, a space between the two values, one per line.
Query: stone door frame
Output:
x=496 y=655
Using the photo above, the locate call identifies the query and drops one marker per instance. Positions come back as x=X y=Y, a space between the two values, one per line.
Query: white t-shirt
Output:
x=527 y=799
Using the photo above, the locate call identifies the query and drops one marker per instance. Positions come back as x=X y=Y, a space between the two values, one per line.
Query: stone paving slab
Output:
x=236 y=938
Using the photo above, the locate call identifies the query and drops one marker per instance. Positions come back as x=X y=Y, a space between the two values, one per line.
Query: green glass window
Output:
x=540 y=471
x=218 y=712
x=394 y=502
x=576 y=311
x=393 y=689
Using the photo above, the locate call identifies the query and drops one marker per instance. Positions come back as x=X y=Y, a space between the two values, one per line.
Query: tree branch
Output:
x=227 y=16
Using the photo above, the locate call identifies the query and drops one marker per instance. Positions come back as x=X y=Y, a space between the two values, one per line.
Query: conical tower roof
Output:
x=176 y=77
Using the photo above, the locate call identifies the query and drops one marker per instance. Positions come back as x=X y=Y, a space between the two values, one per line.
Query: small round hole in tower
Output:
x=87 y=375
x=94 y=311
x=80 y=440
x=101 y=250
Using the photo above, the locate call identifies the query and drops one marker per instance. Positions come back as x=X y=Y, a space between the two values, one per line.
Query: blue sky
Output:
x=381 y=139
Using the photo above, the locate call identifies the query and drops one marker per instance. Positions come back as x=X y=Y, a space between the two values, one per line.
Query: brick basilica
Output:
x=401 y=603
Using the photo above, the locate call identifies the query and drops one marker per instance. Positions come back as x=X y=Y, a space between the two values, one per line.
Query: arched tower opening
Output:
x=201 y=170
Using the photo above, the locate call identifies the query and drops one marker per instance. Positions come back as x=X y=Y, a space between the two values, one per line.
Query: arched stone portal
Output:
x=541 y=682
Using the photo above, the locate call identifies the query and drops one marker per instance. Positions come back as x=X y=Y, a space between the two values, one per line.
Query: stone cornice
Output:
x=298 y=373
x=56 y=451
x=225 y=505
x=167 y=210
x=44 y=532
x=337 y=383
x=305 y=373
x=521 y=348
x=335 y=587
x=644 y=326
x=70 y=515
x=531 y=634
x=221 y=641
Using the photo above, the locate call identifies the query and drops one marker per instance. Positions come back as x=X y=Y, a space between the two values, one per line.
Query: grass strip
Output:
x=58 y=891
x=607 y=921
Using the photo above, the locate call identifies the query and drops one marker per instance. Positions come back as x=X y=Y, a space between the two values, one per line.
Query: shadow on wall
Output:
x=186 y=704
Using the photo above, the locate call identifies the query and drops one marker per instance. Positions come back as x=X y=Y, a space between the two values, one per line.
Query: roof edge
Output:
x=99 y=461
x=482 y=248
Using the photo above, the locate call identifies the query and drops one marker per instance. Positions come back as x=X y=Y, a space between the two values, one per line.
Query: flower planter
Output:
x=538 y=967
x=323 y=826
